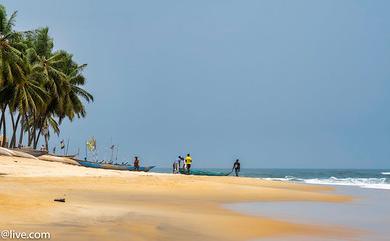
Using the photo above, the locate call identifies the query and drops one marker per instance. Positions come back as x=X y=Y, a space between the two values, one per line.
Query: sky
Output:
x=278 y=84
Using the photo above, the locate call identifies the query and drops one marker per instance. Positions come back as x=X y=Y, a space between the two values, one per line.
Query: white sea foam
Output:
x=376 y=183
x=385 y=173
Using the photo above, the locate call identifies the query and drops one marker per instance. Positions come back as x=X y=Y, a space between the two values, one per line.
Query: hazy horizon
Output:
x=281 y=84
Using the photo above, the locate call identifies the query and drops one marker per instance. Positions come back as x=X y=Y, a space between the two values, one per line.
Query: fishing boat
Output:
x=31 y=151
x=204 y=173
x=66 y=156
x=113 y=166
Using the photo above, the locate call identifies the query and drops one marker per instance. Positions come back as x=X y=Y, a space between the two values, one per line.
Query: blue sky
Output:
x=301 y=84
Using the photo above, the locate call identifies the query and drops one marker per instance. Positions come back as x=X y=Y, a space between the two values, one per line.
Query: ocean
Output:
x=364 y=178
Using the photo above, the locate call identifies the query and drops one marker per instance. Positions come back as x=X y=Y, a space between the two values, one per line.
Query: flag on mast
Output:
x=62 y=144
x=91 y=144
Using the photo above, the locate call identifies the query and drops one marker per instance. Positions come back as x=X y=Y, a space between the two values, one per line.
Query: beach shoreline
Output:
x=367 y=213
x=102 y=204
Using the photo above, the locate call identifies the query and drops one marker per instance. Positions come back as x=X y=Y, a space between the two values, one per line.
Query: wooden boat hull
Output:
x=66 y=156
x=31 y=151
x=113 y=166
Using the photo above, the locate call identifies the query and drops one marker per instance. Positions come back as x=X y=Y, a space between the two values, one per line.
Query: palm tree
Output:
x=63 y=80
x=39 y=87
x=72 y=104
x=11 y=67
x=27 y=96
x=41 y=61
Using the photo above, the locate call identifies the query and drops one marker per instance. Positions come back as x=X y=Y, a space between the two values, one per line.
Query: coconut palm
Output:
x=27 y=96
x=72 y=104
x=11 y=67
x=39 y=87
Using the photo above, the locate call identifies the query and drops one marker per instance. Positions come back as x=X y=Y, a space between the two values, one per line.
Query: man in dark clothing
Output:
x=237 y=167
x=136 y=163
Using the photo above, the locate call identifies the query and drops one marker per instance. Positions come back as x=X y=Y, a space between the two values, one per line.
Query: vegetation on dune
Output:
x=39 y=87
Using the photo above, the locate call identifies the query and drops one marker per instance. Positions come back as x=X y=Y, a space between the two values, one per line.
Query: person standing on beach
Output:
x=180 y=160
x=176 y=166
x=188 y=161
x=136 y=163
x=237 y=167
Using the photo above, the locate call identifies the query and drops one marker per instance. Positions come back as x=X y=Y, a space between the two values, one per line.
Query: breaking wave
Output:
x=377 y=183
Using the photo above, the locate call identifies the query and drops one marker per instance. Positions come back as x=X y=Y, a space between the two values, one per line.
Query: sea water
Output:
x=364 y=178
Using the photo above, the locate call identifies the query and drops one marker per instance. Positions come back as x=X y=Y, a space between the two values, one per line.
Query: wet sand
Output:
x=368 y=213
x=121 y=205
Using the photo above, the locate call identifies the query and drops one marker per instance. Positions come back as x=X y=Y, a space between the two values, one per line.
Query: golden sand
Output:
x=121 y=205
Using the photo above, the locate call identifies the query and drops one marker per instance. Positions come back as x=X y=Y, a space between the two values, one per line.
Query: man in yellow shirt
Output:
x=188 y=161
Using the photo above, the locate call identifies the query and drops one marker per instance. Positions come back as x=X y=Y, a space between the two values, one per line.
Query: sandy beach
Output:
x=120 y=205
x=276 y=110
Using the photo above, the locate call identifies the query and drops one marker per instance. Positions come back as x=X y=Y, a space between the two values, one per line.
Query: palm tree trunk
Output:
x=4 y=127
x=29 y=131
x=34 y=132
x=21 y=132
x=15 y=128
x=29 y=137
x=34 y=137
x=47 y=142
x=37 y=137
x=1 y=120
x=12 y=119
